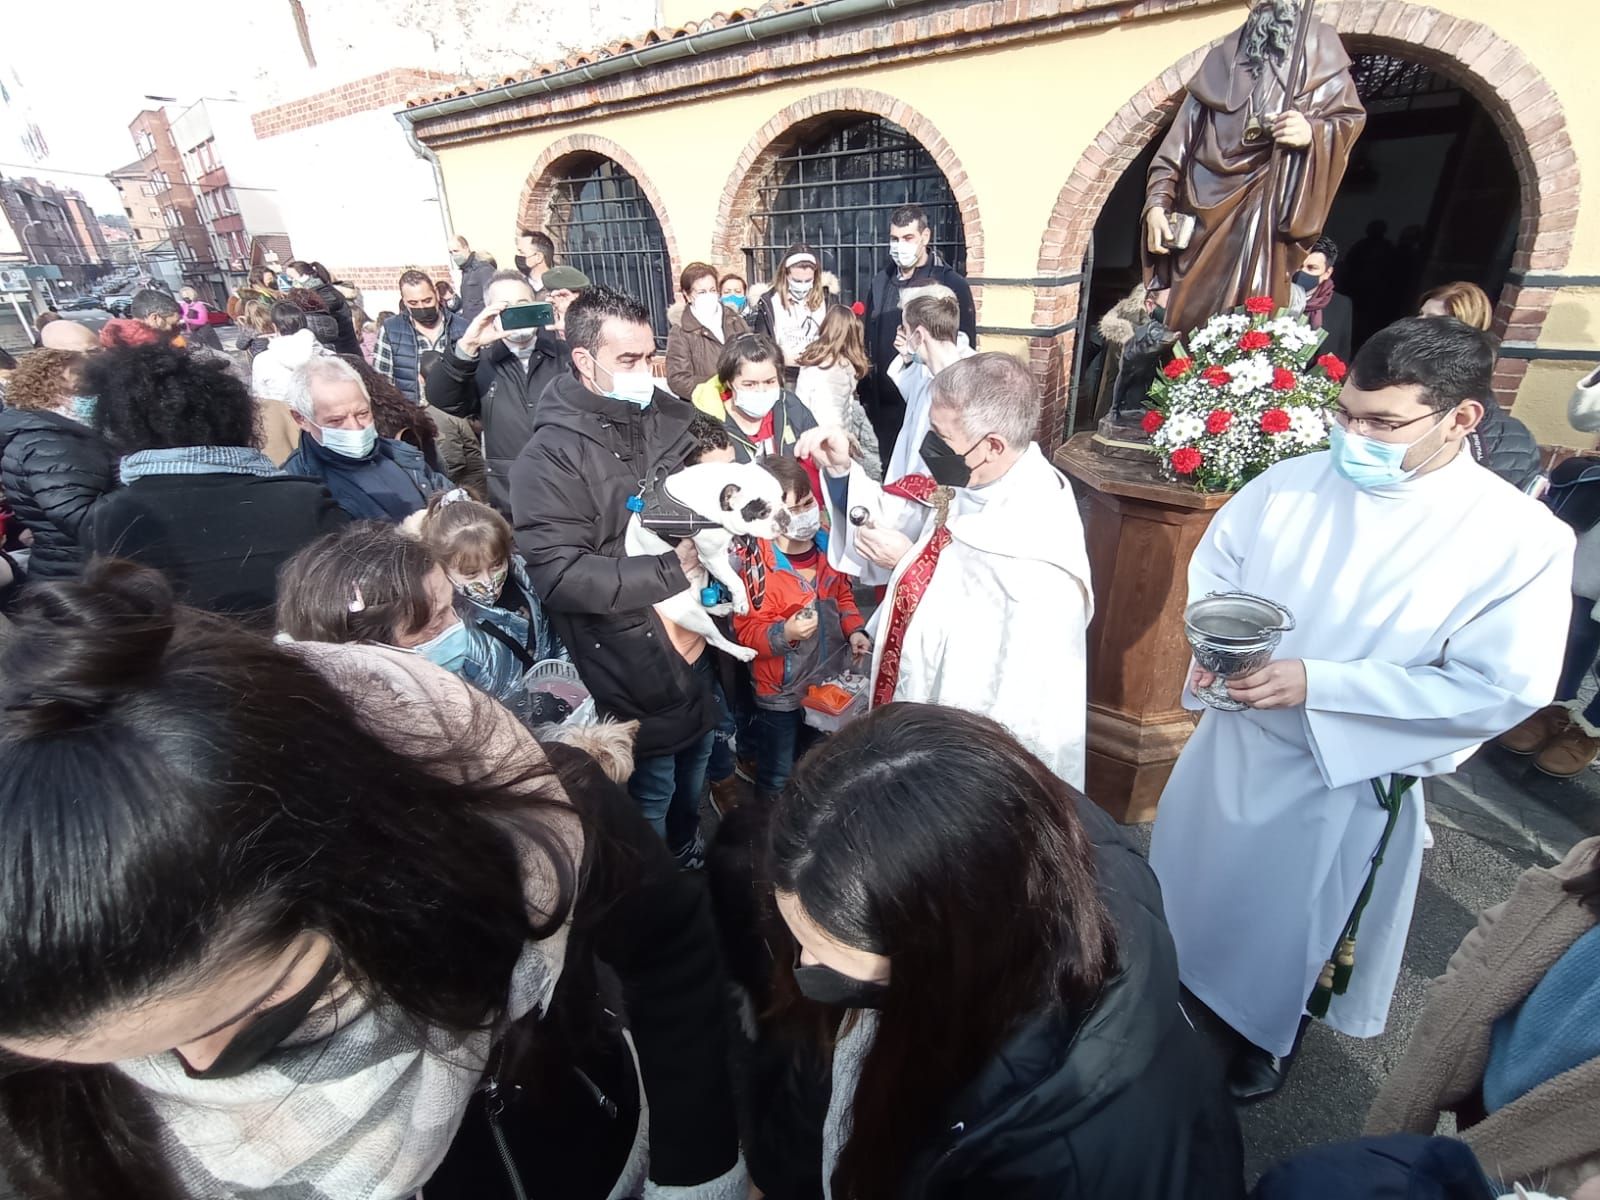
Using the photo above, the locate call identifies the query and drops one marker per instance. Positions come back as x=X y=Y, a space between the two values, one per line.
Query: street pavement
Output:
x=1491 y=821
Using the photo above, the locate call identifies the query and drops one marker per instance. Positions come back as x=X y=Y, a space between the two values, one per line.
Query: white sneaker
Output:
x=1427 y=836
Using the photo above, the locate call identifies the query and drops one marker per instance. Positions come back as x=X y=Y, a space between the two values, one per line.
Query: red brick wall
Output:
x=384 y=279
x=388 y=89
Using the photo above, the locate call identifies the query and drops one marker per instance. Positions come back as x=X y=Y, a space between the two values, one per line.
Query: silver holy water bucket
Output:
x=1233 y=634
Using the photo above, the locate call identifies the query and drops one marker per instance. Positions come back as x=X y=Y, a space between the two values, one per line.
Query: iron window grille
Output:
x=835 y=192
x=603 y=225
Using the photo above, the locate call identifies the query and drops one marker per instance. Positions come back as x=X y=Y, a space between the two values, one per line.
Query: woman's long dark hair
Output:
x=174 y=789
x=933 y=837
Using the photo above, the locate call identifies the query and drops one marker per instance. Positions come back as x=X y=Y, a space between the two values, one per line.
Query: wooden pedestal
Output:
x=1141 y=531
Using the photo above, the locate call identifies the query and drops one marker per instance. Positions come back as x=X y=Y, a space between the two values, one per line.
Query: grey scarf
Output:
x=196 y=460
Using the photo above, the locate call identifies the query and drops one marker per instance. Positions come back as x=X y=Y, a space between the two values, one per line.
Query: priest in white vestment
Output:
x=988 y=579
x=1428 y=597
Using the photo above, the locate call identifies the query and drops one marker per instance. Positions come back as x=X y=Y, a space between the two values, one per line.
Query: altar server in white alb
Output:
x=988 y=580
x=1428 y=596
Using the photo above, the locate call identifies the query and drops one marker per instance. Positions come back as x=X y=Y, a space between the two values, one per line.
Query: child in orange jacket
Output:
x=801 y=609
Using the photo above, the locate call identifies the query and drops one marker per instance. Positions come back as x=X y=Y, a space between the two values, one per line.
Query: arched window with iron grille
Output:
x=835 y=189
x=603 y=224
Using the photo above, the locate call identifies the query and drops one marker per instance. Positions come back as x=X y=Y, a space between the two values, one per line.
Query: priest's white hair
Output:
x=994 y=393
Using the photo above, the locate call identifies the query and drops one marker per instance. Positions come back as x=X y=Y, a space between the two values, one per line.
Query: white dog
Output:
x=742 y=498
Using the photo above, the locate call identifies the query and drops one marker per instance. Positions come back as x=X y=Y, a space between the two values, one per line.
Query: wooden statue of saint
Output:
x=1254 y=158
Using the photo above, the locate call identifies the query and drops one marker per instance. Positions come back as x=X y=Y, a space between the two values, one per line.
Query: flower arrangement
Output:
x=1247 y=391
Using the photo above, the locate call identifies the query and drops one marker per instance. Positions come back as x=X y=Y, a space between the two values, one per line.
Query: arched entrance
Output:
x=605 y=219
x=1452 y=108
x=828 y=170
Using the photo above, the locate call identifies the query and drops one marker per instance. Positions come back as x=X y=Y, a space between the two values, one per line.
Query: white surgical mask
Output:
x=799 y=289
x=754 y=403
x=803 y=526
x=905 y=254
x=707 y=309
x=350 y=443
x=636 y=387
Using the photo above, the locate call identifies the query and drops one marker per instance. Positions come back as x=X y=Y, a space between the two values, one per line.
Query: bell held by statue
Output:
x=1255 y=132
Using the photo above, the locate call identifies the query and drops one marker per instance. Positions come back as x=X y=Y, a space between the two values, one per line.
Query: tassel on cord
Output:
x=1334 y=979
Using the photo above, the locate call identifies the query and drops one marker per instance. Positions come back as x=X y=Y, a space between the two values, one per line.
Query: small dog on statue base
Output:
x=740 y=499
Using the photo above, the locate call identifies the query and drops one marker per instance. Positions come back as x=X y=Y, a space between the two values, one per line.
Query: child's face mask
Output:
x=484 y=587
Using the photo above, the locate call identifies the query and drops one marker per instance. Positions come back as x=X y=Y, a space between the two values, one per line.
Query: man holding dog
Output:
x=988 y=580
x=601 y=434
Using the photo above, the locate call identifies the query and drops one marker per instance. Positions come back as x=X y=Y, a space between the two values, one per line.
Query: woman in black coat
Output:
x=200 y=502
x=1027 y=1040
x=53 y=466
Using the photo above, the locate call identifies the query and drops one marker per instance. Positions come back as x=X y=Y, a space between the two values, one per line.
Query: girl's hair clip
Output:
x=358 y=602
x=453 y=495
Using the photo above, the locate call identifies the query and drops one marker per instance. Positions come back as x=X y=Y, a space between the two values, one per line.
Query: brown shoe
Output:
x=1569 y=754
x=1534 y=734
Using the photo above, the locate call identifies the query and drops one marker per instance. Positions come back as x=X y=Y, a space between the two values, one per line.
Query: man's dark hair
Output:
x=593 y=308
x=1450 y=361
x=709 y=434
x=288 y=317
x=157 y=398
x=1328 y=248
x=151 y=303
x=543 y=244
x=414 y=278
x=909 y=214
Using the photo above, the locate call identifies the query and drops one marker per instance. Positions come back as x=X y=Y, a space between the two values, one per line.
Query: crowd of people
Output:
x=308 y=892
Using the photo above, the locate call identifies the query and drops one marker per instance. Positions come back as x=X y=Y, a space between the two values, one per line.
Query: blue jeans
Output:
x=1583 y=645
x=722 y=751
x=782 y=737
x=668 y=788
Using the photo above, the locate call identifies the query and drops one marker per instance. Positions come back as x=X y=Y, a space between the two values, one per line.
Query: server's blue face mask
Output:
x=1369 y=463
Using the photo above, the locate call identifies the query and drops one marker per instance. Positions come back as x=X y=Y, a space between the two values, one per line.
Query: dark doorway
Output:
x=1430 y=166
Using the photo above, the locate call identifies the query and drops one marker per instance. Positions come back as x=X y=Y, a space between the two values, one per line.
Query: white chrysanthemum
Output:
x=1183 y=427
x=1306 y=426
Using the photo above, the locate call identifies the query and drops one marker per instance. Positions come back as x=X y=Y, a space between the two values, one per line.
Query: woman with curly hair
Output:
x=200 y=502
x=53 y=467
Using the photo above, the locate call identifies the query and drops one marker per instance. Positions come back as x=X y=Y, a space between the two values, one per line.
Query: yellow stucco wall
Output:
x=1018 y=119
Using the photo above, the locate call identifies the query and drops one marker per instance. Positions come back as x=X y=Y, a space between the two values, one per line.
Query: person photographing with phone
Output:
x=498 y=370
x=801 y=613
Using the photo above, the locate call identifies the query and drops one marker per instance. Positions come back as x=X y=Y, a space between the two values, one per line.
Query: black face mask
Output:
x=425 y=316
x=827 y=986
x=522 y=264
x=947 y=465
x=267 y=1030
x=1306 y=281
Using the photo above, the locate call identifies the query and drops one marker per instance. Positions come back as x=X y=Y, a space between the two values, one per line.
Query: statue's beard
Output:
x=1268 y=35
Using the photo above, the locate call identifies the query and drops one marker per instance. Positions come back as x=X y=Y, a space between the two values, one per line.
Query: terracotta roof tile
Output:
x=652 y=37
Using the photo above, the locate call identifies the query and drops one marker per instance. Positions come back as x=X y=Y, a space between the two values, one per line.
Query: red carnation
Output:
x=1186 y=460
x=1260 y=305
x=1256 y=339
x=1152 y=421
x=1216 y=376
x=859 y=309
x=1177 y=367
x=1283 y=379
x=1274 y=420
x=1333 y=366
x=1218 y=420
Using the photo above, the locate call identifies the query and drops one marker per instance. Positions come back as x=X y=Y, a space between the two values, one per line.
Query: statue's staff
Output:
x=1297 y=64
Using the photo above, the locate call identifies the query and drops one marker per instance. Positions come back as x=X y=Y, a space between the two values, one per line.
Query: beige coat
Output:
x=1548 y=1139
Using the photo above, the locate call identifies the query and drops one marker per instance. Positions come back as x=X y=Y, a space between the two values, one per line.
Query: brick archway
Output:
x=533 y=208
x=1523 y=106
x=799 y=120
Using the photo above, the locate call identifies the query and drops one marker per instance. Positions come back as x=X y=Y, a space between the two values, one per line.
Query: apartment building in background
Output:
x=54 y=226
x=160 y=164
x=232 y=179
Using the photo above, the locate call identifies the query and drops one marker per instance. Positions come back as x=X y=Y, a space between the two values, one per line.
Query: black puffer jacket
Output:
x=345 y=339
x=1506 y=446
x=495 y=388
x=1125 y=1101
x=53 y=470
x=569 y=499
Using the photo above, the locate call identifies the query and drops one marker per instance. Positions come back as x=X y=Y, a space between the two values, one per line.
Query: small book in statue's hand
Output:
x=1182 y=231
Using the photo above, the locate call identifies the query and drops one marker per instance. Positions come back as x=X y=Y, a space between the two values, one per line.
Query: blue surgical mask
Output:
x=449 y=649
x=736 y=303
x=1368 y=463
x=350 y=443
x=81 y=409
